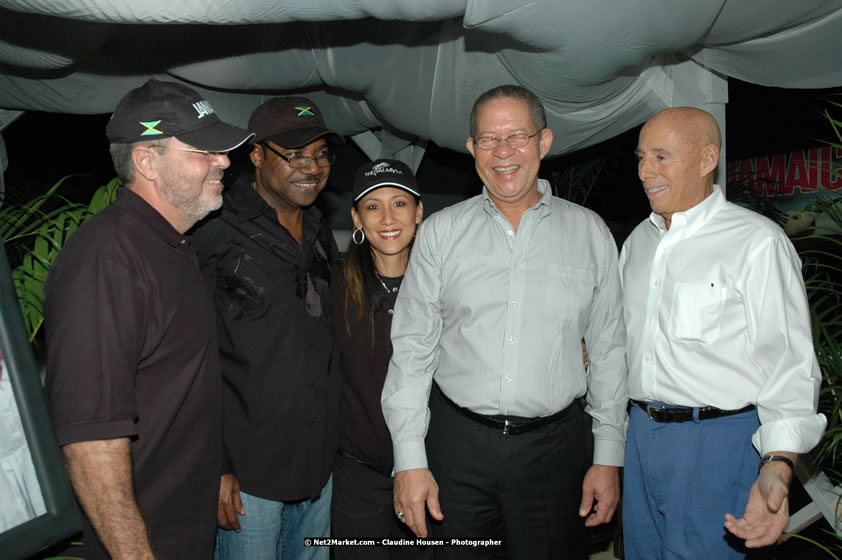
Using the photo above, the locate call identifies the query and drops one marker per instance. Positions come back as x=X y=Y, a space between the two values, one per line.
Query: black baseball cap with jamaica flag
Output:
x=290 y=122
x=160 y=109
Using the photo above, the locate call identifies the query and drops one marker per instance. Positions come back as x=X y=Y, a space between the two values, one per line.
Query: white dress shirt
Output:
x=496 y=316
x=717 y=315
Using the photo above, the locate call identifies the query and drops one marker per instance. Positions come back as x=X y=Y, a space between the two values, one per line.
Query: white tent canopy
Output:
x=394 y=74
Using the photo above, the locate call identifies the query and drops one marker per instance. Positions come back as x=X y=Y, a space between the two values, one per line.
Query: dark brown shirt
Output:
x=131 y=352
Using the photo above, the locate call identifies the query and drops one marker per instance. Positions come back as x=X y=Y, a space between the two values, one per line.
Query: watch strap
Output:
x=768 y=458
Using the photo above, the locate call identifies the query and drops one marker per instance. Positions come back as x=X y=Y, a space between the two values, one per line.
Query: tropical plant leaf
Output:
x=822 y=264
x=34 y=234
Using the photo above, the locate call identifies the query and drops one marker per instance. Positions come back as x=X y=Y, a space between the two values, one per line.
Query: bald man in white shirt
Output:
x=722 y=373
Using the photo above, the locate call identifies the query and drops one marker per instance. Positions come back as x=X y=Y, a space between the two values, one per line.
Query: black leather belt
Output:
x=508 y=425
x=685 y=414
x=380 y=469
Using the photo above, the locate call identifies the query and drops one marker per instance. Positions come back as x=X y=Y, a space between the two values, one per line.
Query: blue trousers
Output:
x=680 y=479
x=273 y=530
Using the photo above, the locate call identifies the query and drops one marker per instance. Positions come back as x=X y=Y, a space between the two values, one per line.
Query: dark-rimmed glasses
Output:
x=323 y=159
x=515 y=141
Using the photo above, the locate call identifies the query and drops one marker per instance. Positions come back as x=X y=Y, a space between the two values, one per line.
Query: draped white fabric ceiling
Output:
x=396 y=73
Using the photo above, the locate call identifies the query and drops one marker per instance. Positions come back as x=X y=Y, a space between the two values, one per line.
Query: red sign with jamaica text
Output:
x=790 y=187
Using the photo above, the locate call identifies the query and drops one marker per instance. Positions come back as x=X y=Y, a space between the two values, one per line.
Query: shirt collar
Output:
x=544 y=204
x=691 y=220
x=143 y=211
x=244 y=201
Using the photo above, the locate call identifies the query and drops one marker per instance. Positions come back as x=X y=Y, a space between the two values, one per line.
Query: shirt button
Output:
x=391 y=311
x=648 y=358
x=517 y=267
x=508 y=378
x=651 y=321
x=657 y=282
x=511 y=340
x=650 y=396
x=514 y=302
x=510 y=233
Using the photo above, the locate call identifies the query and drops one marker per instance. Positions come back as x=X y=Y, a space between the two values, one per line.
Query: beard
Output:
x=191 y=196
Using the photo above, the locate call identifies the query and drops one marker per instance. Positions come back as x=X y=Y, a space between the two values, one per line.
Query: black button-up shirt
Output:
x=281 y=381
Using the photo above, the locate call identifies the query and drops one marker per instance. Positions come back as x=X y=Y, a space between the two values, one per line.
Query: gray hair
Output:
x=121 y=157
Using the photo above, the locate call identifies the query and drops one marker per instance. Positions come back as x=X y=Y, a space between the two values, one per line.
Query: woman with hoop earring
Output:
x=386 y=211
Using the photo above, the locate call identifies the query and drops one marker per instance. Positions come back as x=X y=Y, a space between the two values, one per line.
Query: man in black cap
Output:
x=132 y=362
x=267 y=257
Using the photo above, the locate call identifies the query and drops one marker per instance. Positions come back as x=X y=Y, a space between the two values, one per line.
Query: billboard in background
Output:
x=791 y=188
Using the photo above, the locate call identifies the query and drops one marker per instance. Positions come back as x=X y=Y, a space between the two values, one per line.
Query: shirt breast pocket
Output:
x=696 y=312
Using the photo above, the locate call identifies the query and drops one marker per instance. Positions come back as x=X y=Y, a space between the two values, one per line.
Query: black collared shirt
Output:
x=281 y=381
x=131 y=352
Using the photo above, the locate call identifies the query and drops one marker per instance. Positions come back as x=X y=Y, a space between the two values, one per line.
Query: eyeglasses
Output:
x=515 y=141
x=323 y=159
x=205 y=153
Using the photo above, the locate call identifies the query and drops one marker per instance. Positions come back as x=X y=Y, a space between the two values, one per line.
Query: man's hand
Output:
x=767 y=511
x=415 y=492
x=601 y=485
x=230 y=503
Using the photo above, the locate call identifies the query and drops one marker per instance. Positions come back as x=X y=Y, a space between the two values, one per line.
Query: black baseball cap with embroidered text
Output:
x=159 y=109
x=384 y=173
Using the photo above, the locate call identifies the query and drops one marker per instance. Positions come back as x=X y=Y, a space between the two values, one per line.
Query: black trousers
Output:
x=524 y=489
x=363 y=507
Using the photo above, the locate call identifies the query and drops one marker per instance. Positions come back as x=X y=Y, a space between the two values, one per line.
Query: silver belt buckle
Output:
x=506 y=425
x=649 y=409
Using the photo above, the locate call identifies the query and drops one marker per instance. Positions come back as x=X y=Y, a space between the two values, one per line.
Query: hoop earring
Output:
x=354 y=236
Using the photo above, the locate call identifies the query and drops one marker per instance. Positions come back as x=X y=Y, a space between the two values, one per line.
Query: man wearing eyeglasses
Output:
x=132 y=361
x=268 y=257
x=500 y=292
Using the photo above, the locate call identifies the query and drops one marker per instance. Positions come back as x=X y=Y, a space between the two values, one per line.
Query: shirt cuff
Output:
x=609 y=452
x=96 y=431
x=796 y=435
x=410 y=455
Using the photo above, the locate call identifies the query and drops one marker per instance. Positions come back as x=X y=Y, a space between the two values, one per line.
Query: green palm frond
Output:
x=35 y=232
x=822 y=258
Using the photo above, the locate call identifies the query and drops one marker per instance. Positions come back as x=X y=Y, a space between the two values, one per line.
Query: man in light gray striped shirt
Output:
x=498 y=430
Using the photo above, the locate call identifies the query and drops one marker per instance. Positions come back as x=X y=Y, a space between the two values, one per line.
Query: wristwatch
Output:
x=768 y=458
